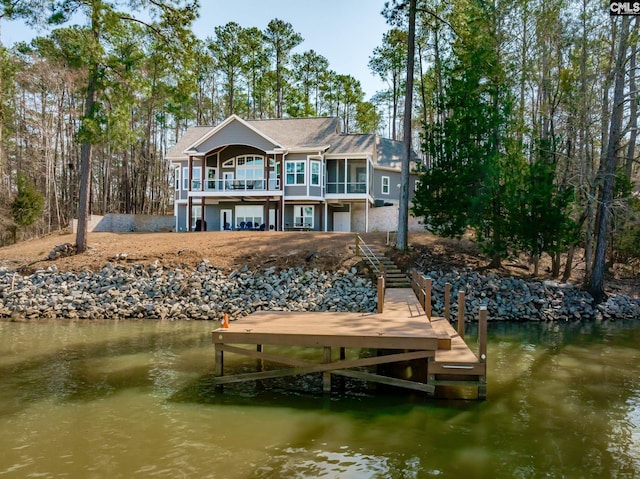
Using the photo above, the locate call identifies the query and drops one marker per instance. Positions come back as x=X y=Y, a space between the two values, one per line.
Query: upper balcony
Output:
x=346 y=188
x=236 y=187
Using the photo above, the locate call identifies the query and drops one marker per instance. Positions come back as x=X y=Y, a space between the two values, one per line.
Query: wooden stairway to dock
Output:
x=394 y=277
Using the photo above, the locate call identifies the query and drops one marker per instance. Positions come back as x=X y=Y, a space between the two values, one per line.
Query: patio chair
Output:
x=262 y=227
x=242 y=225
x=249 y=225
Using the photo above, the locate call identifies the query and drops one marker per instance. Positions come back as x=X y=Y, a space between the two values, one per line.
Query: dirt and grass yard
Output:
x=231 y=250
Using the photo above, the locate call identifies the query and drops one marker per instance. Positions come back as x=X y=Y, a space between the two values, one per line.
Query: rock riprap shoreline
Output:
x=514 y=299
x=137 y=291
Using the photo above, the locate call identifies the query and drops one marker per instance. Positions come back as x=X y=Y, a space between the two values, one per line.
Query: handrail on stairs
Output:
x=362 y=249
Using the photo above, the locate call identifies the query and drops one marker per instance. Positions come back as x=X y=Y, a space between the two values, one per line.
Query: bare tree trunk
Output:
x=595 y=285
x=556 y=260
x=568 y=267
x=86 y=148
x=633 y=113
x=403 y=212
x=85 y=173
x=2 y=155
x=587 y=157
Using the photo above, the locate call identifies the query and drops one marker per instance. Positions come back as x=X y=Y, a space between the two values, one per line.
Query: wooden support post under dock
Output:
x=381 y=292
x=482 y=350
x=461 y=314
x=447 y=301
x=326 y=376
x=427 y=296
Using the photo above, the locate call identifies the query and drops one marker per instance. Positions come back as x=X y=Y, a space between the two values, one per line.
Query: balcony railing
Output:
x=346 y=188
x=241 y=185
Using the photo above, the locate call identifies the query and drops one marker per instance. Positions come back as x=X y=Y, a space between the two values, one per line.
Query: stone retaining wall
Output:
x=121 y=223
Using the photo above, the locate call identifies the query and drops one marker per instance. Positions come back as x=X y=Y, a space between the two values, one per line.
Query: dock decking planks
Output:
x=402 y=328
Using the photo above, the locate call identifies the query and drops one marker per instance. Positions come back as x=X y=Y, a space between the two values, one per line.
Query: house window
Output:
x=229 y=163
x=196 y=214
x=177 y=177
x=195 y=180
x=274 y=174
x=253 y=214
x=385 y=185
x=211 y=179
x=249 y=168
x=303 y=216
x=294 y=173
x=315 y=173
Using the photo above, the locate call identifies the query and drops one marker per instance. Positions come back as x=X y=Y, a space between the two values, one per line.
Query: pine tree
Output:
x=28 y=203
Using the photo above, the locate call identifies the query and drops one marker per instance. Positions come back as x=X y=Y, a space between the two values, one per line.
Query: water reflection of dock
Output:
x=413 y=349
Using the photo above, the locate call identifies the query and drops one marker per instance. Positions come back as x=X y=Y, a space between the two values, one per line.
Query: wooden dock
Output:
x=402 y=331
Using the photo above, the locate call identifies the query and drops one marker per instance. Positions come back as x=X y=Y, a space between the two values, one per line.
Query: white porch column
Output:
x=326 y=212
x=366 y=200
x=366 y=215
x=190 y=198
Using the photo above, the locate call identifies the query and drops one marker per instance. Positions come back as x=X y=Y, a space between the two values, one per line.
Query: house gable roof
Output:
x=320 y=134
x=193 y=133
x=301 y=133
x=234 y=130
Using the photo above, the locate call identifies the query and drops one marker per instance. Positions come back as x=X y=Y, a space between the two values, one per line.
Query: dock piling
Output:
x=326 y=376
x=381 y=286
x=482 y=350
x=427 y=296
x=447 y=301
x=461 y=314
x=482 y=334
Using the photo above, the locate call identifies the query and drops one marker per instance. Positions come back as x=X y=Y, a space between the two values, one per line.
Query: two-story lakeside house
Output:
x=286 y=174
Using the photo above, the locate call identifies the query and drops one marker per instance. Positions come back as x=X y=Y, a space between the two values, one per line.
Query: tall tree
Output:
x=349 y=95
x=256 y=65
x=228 y=51
x=467 y=183
x=402 y=242
x=389 y=62
x=170 y=22
x=367 y=117
x=281 y=39
x=595 y=285
x=307 y=71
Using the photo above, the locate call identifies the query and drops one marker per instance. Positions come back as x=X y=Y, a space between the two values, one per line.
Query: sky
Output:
x=343 y=31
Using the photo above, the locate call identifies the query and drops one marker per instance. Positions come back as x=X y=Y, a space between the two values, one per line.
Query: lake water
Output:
x=135 y=399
